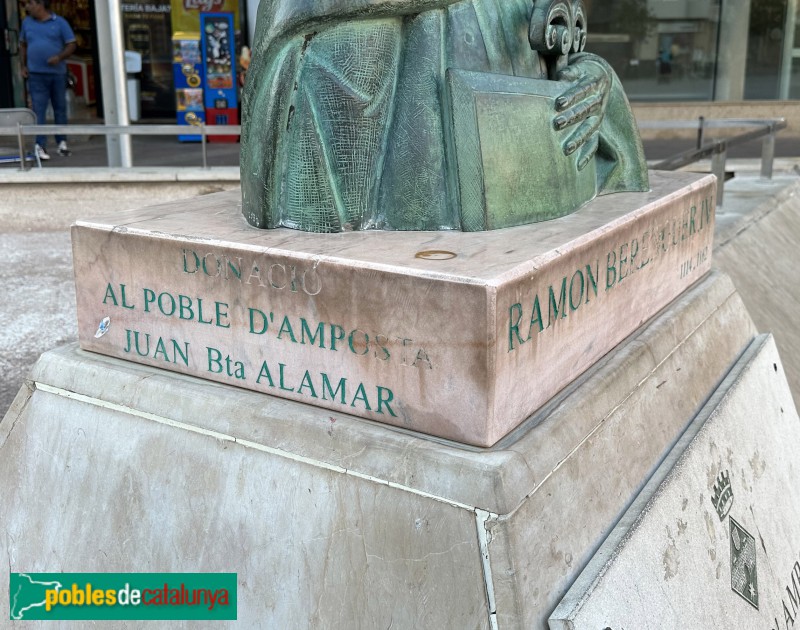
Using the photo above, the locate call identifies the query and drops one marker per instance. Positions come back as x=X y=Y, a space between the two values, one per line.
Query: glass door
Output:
x=790 y=63
x=769 y=48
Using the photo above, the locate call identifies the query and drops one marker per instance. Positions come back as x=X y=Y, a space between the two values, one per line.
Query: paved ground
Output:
x=38 y=302
x=37 y=299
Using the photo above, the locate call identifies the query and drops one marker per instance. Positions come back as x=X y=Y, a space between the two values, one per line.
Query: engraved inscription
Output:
x=544 y=307
x=145 y=345
x=336 y=337
x=790 y=601
x=266 y=374
x=258 y=272
x=322 y=386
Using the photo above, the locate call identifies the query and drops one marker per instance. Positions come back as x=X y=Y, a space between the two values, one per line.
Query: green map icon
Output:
x=26 y=593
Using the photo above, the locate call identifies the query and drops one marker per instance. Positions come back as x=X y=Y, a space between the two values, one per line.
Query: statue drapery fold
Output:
x=344 y=120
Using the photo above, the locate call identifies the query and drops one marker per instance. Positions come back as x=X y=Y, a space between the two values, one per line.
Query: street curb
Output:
x=90 y=175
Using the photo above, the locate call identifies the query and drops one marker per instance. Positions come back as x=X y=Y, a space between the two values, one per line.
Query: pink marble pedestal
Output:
x=457 y=335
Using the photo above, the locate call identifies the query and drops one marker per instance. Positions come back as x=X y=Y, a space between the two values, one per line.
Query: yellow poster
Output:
x=186 y=13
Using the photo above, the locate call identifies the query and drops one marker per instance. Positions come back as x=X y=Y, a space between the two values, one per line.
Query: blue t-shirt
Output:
x=45 y=39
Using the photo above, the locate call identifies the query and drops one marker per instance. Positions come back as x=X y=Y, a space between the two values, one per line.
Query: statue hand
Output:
x=583 y=104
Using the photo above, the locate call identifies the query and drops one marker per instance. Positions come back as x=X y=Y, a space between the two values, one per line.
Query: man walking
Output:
x=46 y=41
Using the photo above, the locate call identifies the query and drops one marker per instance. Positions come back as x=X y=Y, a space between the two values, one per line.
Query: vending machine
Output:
x=187 y=69
x=219 y=64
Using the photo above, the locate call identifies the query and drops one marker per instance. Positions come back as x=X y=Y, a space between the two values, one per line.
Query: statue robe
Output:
x=344 y=125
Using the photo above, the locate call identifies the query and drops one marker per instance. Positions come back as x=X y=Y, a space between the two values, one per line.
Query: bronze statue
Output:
x=429 y=115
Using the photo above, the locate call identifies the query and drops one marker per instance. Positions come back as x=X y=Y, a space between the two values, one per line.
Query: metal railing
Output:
x=201 y=130
x=716 y=149
x=766 y=128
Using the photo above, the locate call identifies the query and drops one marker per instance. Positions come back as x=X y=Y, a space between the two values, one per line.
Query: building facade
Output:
x=663 y=50
x=699 y=50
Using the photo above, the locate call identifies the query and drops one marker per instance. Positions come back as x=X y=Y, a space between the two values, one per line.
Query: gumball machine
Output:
x=187 y=70
x=220 y=95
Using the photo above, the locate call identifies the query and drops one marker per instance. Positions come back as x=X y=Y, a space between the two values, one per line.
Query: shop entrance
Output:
x=12 y=90
x=82 y=66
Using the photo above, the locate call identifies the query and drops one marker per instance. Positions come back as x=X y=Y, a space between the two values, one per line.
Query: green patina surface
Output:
x=428 y=115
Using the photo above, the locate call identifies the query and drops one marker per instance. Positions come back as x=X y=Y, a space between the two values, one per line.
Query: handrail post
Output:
x=111 y=49
x=701 y=131
x=718 y=168
x=768 y=153
x=203 y=142
x=21 y=145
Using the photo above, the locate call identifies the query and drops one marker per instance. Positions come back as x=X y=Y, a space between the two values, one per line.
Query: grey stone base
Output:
x=756 y=245
x=713 y=540
x=337 y=522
